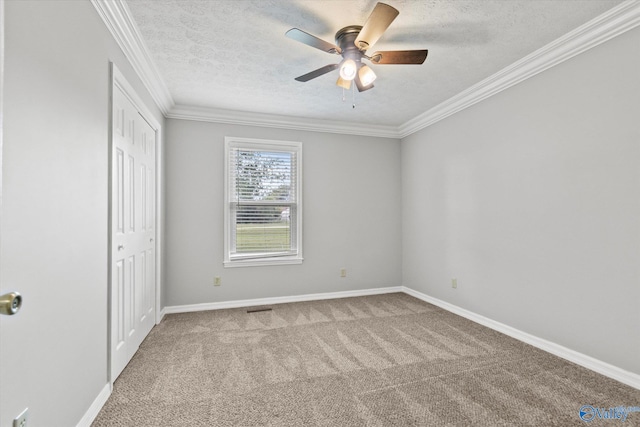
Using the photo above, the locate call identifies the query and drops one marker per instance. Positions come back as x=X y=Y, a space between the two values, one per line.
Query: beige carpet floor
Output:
x=385 y=360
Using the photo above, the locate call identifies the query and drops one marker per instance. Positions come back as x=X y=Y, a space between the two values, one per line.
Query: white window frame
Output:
x=254 y=260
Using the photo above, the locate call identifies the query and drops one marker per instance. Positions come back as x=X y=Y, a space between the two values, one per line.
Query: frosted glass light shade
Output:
x=346 y=84
x=367 y=76
x=348 y=69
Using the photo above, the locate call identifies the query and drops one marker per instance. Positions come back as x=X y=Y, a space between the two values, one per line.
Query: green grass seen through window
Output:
x=269 y=237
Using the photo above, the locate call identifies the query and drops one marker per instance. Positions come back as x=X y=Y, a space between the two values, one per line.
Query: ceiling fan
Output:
x=352 y=43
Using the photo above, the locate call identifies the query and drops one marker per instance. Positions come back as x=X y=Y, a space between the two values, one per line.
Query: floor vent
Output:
x=256 y=310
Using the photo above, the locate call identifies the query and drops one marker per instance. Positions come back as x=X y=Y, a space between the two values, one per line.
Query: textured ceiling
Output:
x=233 y=54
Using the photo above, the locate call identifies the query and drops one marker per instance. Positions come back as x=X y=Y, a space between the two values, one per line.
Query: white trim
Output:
x=160 y=176
x=262 y=262
x=280 y=122
x=294 y=256
x=279 y=300
x=118 y=80
x=95 y=407
x=127 y=89
x=612 y=23
x=118 y=19
x=629 y=378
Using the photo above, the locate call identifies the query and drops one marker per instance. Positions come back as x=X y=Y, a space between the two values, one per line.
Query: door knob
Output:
x=120 y=247
x=10 y=303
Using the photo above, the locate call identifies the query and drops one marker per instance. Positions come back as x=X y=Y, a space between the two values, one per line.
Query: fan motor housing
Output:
x=345 y=39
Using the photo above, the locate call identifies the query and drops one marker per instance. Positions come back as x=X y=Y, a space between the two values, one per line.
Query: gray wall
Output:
x=351 y=212
x=55 y=205
x=531 y=199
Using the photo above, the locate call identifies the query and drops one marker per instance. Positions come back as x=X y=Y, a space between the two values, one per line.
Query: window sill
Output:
x=262 y=262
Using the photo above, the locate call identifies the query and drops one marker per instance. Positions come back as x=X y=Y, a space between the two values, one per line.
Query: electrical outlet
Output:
x=343 y=272
x=21 y=420
x=454 y=283
x=217 y=281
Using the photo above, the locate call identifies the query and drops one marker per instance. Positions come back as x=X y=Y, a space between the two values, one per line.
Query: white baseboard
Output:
x=629 y=378
x=278 y=300
x=606 y=369
x=95 y=407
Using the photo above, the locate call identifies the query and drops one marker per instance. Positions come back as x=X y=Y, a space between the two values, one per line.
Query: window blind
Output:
x=263 y=193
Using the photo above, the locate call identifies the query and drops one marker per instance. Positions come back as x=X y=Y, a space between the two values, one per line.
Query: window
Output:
x=263 y=207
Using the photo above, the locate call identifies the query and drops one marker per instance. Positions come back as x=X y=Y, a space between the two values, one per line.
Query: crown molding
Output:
x=117 y=18
x=610 y=24
x=281 y=122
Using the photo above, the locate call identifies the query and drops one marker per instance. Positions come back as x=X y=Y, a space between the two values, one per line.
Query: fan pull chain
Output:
x=353 y=105
x=353 y=96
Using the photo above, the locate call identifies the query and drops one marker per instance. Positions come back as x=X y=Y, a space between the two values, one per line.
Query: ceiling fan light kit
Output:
x=352 y=42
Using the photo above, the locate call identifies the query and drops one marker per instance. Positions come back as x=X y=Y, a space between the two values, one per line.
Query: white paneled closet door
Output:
x=133 y=247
